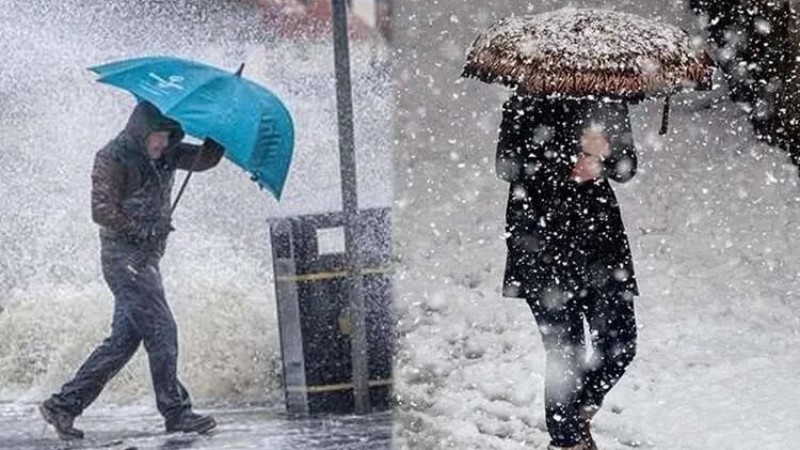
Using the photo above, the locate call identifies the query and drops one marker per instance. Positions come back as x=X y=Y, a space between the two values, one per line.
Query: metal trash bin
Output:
x=313 y=309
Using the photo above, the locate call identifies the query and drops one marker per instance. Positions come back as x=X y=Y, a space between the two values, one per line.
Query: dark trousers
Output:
x=141 y=314
x=572 y=381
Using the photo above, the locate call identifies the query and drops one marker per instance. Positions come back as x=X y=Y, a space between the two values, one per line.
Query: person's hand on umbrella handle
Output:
x=594 y=142
x=588 y=168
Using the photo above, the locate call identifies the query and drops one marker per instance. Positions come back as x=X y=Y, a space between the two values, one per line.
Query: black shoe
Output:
x=585 y=416
x=189 y=422
x=60 y=420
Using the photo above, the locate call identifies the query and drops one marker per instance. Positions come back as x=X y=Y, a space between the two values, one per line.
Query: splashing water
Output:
x=54 y=306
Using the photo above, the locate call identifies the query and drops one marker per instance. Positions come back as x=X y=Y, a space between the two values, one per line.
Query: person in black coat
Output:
x=568 y=254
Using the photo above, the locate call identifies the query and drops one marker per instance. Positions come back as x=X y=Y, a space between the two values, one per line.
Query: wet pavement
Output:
x=140 y=428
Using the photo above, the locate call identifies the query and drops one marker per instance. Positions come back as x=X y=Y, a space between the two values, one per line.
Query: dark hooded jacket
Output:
x=562 y=235
x=129 y=189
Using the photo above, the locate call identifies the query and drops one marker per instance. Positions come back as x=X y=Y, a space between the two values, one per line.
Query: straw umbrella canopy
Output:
x=590 y=52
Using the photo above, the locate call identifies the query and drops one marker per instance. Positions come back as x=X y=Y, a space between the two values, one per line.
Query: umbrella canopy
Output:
x=247 y=119
x=583 y=52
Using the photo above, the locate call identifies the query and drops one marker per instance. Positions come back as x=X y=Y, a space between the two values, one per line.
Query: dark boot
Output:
x=60 y=420
x=586 y=415
x=190 y=422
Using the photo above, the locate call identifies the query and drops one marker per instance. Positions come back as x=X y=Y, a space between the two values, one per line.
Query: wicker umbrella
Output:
x=585 y=52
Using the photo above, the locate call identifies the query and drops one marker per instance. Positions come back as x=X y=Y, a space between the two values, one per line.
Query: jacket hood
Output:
x=130 y=146
x=146 y=119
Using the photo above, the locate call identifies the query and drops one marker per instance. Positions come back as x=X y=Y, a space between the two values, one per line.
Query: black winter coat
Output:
x=562 y=236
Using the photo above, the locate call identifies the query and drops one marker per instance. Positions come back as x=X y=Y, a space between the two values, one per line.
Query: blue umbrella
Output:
x=247 y=119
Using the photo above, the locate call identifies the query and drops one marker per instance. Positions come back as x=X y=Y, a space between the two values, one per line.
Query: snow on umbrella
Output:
x=580 y=52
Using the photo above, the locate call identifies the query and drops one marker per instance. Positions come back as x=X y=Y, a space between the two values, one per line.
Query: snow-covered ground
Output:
x=713 y=220
x=54 y=306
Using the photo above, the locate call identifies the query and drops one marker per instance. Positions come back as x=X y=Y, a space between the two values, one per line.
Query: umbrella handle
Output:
x=665 y=118
x=186 y=180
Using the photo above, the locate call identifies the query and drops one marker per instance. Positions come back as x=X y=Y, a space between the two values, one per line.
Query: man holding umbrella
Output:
x=564 y=133
x=131 y=190
x=131 y=194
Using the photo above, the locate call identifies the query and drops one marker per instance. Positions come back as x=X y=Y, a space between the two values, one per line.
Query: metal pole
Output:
x=347 y=167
